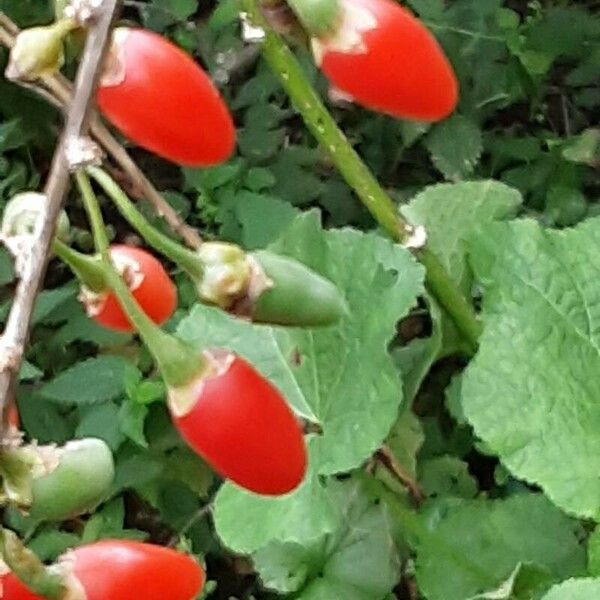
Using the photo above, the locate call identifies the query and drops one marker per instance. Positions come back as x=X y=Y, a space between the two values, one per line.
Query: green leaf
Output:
x=594 y=553
x=184 y=466
x=481 y=542
x=101 y=421
x=451 y=211
x=406 y=439
x=108 y=523
x=304 y=515
x=42 y=420
x=525 y=582
x=416 y=358
x=7 y=273
x=226 y=12
x=455 y=147
x=262 y=218
x=50 y=300
x=357 y=562
x=575 y=589
x=584 y=148
x=324 y=373
x=49 y=544
x=447 y=476
x=29 y=372
x=132 y=418
x=135 y=469
x=295 y=174
x=11 y=135
x=81 y=327
x=531 y=392
x=91 y=381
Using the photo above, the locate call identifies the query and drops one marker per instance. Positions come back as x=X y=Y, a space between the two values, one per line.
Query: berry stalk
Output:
x=29 y=569
x=88 y=270
x=177 y=361
x=181 y=256
x=358 y=176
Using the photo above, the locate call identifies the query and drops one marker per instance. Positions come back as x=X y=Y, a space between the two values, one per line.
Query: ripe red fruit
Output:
x=12 y=589
x=160 y=98
x=385 y=59
x=242 y=426
x=148 y=281
x=122 y=570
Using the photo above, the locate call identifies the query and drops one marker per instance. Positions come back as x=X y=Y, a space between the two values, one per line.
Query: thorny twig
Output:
x=16 y=332
x=57 y=90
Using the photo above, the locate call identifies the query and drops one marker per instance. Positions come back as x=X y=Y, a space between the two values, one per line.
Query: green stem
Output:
x=450 y=297
x=178 y=362
x=181 y=256
x=87 y=269
x=324 y=128
x=355 y=172
x=38 y=578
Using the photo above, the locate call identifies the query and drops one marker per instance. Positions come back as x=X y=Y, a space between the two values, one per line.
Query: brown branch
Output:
x=60 y=88
x=18 y=324
x=386 y=458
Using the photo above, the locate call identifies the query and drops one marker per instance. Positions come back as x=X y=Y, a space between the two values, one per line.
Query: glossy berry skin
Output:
x=13 y=589
x=383 y=58
x=156 y=294
x=161 y=99
x=242 y=426
x=123 y=570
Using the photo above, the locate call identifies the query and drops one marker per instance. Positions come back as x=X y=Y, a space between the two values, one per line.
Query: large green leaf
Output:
x=340 y=377
x=450 y=212
x=306 y=514
x=475 y=545
x=532 y=391
x=575 y=589
x=358 y=562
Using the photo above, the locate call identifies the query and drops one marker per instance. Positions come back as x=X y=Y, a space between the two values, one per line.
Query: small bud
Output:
x=23 y=213
x=284 y=291
x=226 y=273
x=38 y=52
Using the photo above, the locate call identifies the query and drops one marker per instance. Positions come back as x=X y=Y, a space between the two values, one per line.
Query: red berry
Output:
x=123 y=570
x=12 y=589
x=161 y=99
x=148 y=281
x=385 y=59
x=242 y=426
